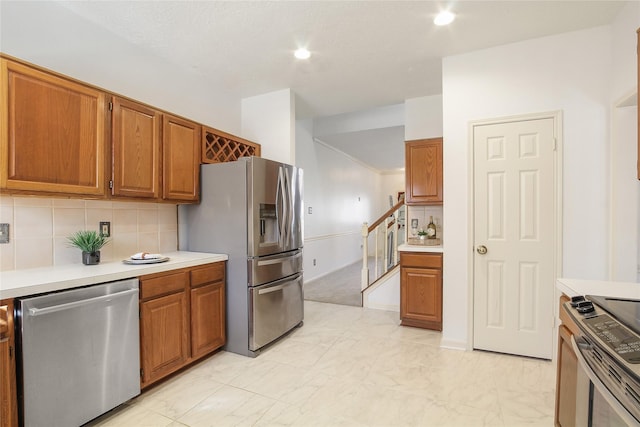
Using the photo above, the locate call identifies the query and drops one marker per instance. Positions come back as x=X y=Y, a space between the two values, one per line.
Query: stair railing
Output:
x=387 y=233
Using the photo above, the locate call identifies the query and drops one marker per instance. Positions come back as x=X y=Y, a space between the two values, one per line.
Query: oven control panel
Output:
x=617 y=337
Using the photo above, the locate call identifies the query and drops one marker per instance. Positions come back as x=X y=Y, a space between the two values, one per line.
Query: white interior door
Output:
x=514 y=208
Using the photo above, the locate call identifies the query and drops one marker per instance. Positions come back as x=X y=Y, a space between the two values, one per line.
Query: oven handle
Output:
x=604 y=391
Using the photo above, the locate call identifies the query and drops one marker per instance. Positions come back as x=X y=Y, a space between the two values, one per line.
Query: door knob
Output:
x=482 y=249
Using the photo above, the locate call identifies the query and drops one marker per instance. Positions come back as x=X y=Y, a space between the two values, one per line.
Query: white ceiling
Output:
x=365 y=54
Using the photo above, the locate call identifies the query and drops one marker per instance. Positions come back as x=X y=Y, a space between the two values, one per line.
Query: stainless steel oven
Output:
x=608 y=353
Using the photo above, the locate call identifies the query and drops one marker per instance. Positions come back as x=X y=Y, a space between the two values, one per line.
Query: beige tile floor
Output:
x=350 y=366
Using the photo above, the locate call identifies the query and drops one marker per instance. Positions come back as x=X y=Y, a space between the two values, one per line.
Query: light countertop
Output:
x=419 y=248
x=575 y=287
x=18 y=283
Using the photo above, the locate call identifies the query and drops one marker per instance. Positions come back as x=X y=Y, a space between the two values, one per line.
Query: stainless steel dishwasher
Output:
x=79 y=353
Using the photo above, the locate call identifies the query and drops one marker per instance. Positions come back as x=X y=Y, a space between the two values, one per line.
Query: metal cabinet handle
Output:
x=482 y=249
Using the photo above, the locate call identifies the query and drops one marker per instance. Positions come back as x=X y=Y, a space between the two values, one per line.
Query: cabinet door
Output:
x=8 y=402
x=421 y=297
x=165 y=336
x=423 y=172
x=567 y=377
x=53 y=133
x=180 y=159
x=136 y=149
x=207 y=319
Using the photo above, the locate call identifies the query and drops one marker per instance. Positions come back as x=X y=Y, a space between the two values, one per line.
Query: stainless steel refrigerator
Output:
x=251 y=209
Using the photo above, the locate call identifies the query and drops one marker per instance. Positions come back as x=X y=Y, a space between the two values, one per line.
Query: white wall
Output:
x=49 y=35
x=623 y=48
x=392 y=183
x=342 y=194
x=625 y=187
x=269 y=120
x=570 y=72
x=423 y=117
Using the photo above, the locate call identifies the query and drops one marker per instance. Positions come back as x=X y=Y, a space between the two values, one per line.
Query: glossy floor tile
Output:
x=350 y=366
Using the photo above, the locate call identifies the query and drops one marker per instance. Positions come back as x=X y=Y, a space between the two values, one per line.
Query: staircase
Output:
x=380 y=243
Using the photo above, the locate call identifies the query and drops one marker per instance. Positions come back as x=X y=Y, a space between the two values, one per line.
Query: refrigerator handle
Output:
x=287 y=209
x=279 y=208
x=291 y=206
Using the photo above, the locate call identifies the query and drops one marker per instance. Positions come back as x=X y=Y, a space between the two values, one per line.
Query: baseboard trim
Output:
x=453 y=345
x=385 y=307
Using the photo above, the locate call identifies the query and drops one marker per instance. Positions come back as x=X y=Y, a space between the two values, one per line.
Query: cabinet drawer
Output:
x=151 y=287
x=408 y=259
x=208 y=274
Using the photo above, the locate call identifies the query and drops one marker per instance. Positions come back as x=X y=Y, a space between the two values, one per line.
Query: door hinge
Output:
x=111 y=184
x=141 y=373
x=110 y=106
x=555 y=144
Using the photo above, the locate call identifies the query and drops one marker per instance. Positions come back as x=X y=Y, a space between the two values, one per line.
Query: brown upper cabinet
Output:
x=52 y=133
x=155 y=155
x=135 y=133
x=59 y=136
x=423 y=172
x=180 y=159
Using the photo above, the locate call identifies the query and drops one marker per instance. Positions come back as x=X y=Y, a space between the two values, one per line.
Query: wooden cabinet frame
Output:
x=135 y=148
x=57 y=137
x=421 y=290
x=182 y=316
x=180 y=159
x=423 y=172
x=64 y=122
x=567 y=371
x=8 y=395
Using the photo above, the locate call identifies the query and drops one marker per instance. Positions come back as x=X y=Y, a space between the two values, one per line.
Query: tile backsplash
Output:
x=422 y=214
x=39 y=228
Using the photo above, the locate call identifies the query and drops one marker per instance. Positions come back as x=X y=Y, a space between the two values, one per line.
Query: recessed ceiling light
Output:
x=302 y=53
x=444 y=18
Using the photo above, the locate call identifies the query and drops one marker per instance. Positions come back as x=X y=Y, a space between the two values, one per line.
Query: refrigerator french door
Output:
x=251 y=209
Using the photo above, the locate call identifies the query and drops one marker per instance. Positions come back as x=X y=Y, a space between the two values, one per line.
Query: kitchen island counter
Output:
x=19 y=283
x=575 y=287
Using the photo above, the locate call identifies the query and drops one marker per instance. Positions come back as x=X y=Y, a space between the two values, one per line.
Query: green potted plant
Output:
x=89 y=242
x=422 y=234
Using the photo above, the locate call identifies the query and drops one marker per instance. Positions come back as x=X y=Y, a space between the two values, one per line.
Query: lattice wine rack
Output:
x=218 y=147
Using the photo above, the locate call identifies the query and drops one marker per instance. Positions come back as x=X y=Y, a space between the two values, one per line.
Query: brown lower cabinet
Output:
x=421 y=290
x=567 y=371
x=181 y=318
x=8 y=401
